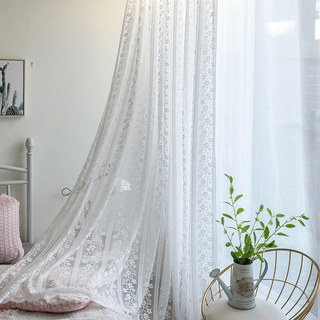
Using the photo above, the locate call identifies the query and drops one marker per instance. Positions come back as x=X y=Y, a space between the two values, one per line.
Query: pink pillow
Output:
x=58 y=304
x=10 y=243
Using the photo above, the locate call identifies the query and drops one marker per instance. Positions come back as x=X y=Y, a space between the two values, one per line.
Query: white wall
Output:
x=73 y=45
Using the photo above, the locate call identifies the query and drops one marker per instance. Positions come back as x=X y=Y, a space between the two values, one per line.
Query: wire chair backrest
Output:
x=292 y=282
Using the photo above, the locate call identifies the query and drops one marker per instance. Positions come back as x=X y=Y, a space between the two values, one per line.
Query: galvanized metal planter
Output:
x=241 y=292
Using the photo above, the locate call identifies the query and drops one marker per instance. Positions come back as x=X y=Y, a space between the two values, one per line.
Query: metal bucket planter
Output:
x=242 y=287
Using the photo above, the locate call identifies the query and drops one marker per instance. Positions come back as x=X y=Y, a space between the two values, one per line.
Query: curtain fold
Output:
x=136 y=234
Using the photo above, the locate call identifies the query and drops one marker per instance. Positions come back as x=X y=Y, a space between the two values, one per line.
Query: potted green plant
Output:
x=247 y=238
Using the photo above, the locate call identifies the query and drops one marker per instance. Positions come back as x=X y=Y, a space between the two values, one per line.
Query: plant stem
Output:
x=275 y=231
x=281 y=226
x=236 y=220
x=254 y=224
x=262 y=235
x=226 y=232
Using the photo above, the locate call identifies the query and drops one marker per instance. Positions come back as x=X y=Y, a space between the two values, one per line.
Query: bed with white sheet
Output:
x=92 y=311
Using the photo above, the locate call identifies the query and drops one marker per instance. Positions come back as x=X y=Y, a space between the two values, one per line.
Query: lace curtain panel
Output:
x=136 y=234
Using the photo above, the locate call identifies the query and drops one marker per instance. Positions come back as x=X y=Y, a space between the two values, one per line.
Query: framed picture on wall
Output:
x=11 y=88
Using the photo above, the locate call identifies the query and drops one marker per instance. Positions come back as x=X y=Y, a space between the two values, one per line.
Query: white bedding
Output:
x=92 y=312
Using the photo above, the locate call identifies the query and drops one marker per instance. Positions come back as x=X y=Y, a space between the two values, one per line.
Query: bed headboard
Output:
x=28 y=182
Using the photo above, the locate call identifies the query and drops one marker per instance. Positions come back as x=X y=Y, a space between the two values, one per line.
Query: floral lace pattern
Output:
x=136 y=234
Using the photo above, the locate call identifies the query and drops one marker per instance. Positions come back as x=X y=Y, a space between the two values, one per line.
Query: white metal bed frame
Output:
x=29 y=182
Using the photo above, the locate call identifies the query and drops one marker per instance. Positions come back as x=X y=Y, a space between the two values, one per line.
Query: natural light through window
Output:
x=317 y=21
x=280 y=28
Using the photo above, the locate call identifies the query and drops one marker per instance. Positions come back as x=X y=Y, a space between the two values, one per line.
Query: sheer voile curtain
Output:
x=268 y=111
x=136 y=234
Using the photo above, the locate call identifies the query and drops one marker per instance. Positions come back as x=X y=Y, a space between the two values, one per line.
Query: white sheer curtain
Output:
x=136 y=234
x=268 y=110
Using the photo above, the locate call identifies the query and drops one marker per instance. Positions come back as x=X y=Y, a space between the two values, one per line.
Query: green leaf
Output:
x=262 y=224
x=228 y=203
x=231 y=190
x=245 y=228
x=305 y=217
x=247 y=240
x=279 y=215
x=254 y=237
x=290 y=225
x=277 y=223
x=246 y=250
x=222 y=221
x=228 y=244
x=261 y=208
x=260 y=246
x=271 y=244
x=259 y=257
x=232 y=228
x=301 y=222
x=227 y=216
x=240 y=210
x=235 y=256
x=239 y=251
x=282 y=234
x=266 y=233
x=229 y=177
x=238 y=197
x=269 y=211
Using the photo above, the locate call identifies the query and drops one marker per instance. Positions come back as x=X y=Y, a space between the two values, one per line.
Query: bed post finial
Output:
x=30 y=146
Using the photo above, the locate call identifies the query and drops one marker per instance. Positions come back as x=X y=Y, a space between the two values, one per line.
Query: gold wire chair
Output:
x=292 y=282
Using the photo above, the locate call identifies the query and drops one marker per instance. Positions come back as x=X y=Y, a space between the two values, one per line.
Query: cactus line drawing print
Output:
x=11 y=87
